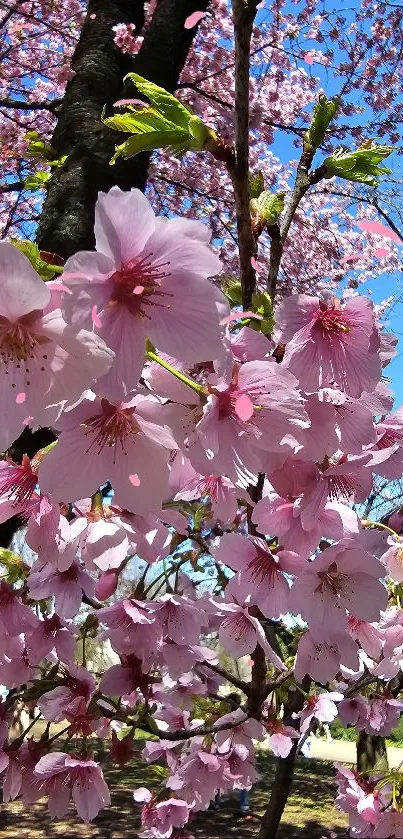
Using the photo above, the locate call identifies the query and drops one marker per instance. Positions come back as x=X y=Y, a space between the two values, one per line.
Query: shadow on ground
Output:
x=309 y=814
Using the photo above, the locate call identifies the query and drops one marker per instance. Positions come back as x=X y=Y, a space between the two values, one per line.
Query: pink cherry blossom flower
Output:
x=61 y=776
x=328 y=342
x=202 y=772
x=393 y=559
x=282 y=517
x=180 y=619
x=132 y=628
x=353 y=710
x=45 y=364
x=15 y=669
x=51 y=634
x=67 y=587
x=220 y=491
x=14 y=616
x=260 y=579
x=241 y=732
x=157 y=749
x=181 y=691
x=160 y=818
x=320 y=706
x=383 y=715
x=280 y=737
x=101 y=442
x=321 y=659
x=240 y=632
x=342 y=577
x=148 y=277
x=123 y=679
x=259 y=409
x=66 y=700
x=390 y=824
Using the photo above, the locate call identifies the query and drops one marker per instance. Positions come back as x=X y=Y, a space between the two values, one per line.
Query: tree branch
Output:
x=244 y=12
x=20 y=105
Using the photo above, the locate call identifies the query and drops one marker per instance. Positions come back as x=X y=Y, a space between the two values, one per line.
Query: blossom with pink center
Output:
x=100 y=442
x=239 y=769
x=280 y=737
x=259 y=409
x=45 y=364
x=328 y=342
x=321 y=707
x=383 y=714
x=123 y=679
x=241 y=732
x=322 y=659
x=67 y=587
x=282 y=517
x=180 y=692
x=180 y=619
x=200 y=771
x=218 y=489
x=53 y=538
x=354 y=710
x=260 y=576
x=66 y=700
x=342 y=577
x=18 y=483
x=62 y=776
x=160 y=818
x=19 y=777
x=240 y=632
x=147 y=278
x=51 y=634
x=338 y=422
x=132 y=628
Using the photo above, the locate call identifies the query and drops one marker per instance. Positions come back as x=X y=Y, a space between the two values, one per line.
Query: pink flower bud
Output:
x=106 y=585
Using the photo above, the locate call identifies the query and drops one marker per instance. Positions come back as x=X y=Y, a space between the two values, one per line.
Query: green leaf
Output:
x=267 y=208
x=323 y=114
x=32 y=252
x=256 y=184
x=232 y=291
x=37 y=181
x=164 y=102
x=262 y=305
x=166 y=124
x=361 y=165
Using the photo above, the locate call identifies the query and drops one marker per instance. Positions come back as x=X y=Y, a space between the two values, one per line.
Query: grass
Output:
x=309 y=814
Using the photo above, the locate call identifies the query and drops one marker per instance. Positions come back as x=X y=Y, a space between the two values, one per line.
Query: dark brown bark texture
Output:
x=371 y=753
x=67 y=221
x=284 y=773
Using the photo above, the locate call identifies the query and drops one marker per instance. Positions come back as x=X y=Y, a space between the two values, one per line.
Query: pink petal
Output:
x=193 y=19
x=121 y=102
x=138 y=289
x=258 y=268
x=95 y=317
x=135 y=480
x=20 y=398
x=380 y=252
x=379 y=229
x=244 y=408
x=237 y=316
x=308 y=57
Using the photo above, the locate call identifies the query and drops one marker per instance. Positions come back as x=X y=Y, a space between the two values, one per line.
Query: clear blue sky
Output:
x=380 y=286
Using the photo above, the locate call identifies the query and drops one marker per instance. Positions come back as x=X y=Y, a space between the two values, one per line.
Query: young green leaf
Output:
x=36 y=181
x=323 y=113
x=45 y=269
x=267 y=207
x=361 y=165
x=164 y=102
x=256 y=184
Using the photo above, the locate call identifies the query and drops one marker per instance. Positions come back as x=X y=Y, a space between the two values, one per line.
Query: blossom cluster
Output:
x=184 y=434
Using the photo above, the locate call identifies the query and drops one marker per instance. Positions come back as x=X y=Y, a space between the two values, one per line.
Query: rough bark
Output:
x=67 y=220
x=371 y=753
x=284 y=773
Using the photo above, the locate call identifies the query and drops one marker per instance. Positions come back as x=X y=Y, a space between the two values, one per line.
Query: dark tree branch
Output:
x=20 y=105
x=244 y=12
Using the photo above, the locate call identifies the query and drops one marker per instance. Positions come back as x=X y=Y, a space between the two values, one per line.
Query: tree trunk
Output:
x=371 y=753
x=284 y=773
x=67 y=221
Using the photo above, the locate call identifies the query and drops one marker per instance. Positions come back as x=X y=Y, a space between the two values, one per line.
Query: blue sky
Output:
x=381 y=287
